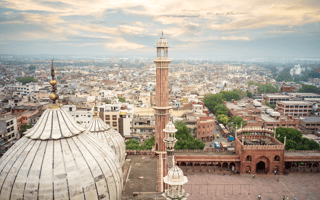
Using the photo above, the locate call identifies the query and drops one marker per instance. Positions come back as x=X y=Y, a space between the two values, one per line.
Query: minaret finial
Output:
x=95 y=107
x=162 y=32
x=53 y=96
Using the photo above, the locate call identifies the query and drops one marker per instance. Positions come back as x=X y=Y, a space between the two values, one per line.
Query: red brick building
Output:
x=286 y=88
x=205 y=129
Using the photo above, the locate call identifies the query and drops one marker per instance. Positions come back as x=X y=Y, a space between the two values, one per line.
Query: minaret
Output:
x=162 y=93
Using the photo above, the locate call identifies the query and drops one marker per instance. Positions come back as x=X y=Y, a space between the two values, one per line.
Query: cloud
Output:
x=120 y=44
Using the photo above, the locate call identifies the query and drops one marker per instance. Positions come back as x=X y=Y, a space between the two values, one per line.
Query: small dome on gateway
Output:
x=175 y=176
x=109 y=136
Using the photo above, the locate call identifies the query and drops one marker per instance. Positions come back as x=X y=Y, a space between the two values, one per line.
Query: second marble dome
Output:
x=109 y=136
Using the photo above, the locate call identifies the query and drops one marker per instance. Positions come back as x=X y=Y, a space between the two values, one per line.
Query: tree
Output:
x=284 y=77
x=212 y=100
x=122 y=99
x=229 y=95
x=295 y=141
x=268 y=89
x=224 y=119
x=237 y=121
x=32 y=68
x=26 y=80
x=252 y=83
x=185 y=140
x=249 y=94
x=309 y=89
x=135 y=145
x=270 y=105
x=220 y=109
x=241 y=93
x=23 y=128
x=30 y=125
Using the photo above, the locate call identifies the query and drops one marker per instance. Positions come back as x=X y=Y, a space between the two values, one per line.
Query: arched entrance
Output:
x=261 y=167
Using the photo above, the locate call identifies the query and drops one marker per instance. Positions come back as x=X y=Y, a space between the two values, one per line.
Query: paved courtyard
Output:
x=303 y=186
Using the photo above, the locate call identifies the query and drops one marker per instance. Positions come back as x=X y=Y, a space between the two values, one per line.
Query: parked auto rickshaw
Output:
x=218 y=136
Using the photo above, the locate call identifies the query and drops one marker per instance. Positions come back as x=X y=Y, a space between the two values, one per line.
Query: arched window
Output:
x=277 y=158
x=249 y=158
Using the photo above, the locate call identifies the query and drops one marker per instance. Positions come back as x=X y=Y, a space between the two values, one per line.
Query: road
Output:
x=220 y=139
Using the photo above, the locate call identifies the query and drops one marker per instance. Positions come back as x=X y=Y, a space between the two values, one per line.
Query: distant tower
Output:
x=162 y=93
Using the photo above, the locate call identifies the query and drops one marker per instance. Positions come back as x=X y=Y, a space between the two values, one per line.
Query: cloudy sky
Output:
x=206 y=29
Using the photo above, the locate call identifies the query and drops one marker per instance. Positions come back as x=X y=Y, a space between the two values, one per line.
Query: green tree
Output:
x=252 y=83
x=185 y=140
x=249 y=94
x=224 y=119
x=270 y=105
x=220 y=109
x=240 y=93
x=135 y=145
x=25 y=80
x=237 y=121
x=309 y=89
x=122 y=99
x=23 y=128
x=229 y=95
x=284 y=77
x=32 y=68
x=212 y=100
x=30 y=125
x=295 y=140
x=268 y=89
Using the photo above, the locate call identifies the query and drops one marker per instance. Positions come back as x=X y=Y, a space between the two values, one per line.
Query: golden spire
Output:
x=95 y=108
x=53 y=96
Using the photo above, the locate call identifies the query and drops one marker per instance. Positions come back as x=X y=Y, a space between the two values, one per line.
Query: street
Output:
x=220 y=139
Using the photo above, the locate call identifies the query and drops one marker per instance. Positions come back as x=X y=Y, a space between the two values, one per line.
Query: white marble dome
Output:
x=170 y=128
x=56 y=160
x=162 y=42
x=175 y=176
x=109 y=136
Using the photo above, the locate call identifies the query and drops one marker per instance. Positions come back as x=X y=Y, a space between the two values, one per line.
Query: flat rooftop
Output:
x=277 y=96
x=141 y=166
x=310 y=119
x=295 y=103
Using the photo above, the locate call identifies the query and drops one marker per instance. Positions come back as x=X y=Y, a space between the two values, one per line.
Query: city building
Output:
x=81 y=116
x=295 y=108
x=309 y=124
x=273 y=98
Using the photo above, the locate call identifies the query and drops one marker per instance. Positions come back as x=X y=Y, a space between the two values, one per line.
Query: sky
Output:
x=205 y=29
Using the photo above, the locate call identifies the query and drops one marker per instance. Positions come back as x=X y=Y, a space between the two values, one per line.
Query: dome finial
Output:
x=53 y=96
x=95 y=107
x=162 y=32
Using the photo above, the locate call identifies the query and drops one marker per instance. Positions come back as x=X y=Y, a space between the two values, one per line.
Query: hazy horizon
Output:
x=207 y=30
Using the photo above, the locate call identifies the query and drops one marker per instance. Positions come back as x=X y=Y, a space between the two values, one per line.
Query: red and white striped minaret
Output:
x=162 y=93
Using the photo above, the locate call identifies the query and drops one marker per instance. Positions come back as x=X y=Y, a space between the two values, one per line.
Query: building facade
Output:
x=295 y=108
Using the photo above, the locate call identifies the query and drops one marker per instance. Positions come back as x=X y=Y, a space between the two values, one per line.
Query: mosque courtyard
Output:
x=241 y=187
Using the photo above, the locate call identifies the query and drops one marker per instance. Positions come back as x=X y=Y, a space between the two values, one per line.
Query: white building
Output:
x=296 y=70
x=8 y=124
x=29 y=88
x=108 y=94
x=81 y=116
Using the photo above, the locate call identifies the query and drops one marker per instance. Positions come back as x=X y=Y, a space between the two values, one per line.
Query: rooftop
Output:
x=295 y=103
x=311 y=119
